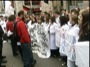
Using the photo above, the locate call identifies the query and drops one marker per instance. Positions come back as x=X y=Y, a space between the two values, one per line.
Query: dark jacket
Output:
x=1 y=32
x=1 y=35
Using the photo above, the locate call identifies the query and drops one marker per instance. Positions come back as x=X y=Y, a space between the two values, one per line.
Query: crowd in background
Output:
x=75 y=22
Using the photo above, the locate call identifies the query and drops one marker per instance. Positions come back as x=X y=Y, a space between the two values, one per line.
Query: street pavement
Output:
x=17 y=61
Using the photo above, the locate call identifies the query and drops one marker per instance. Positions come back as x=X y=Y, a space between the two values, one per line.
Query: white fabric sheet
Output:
x=82 y=54
x=39 y=40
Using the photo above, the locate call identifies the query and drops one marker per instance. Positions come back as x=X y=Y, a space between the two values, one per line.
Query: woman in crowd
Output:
x=64 y=28
x=82 y=47
x=72 y=38
x=84 y=33
x=51 y=31
x=46 y=24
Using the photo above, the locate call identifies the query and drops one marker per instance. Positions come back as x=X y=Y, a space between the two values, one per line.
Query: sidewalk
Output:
x=11 y=60
x=16 y=61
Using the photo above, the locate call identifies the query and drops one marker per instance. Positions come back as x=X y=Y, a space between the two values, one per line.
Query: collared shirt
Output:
x=22 y=31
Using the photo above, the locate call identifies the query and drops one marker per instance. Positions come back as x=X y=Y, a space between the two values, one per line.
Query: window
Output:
x=78 y=2
x=27 y=2
x=35 y=2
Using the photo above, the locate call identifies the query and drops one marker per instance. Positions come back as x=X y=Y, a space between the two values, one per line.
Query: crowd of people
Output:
x=18 y=29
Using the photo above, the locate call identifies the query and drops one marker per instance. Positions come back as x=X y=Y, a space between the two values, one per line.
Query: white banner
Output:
x=82 y=54
x=67 y=41
x=71 y=40
x=40 y=43
x=60 y=39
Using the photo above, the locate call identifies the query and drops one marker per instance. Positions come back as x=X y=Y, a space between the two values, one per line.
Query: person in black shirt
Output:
x=1 y=46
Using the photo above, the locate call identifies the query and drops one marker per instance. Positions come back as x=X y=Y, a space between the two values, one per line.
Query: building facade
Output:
x=68 y=5
x=26 y=5
x=72 y=4
x=37 y=6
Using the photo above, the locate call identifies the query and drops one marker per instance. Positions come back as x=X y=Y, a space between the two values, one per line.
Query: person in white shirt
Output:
x=72 y=38
x=63 y=46
x=51 y=31
x=46 y=24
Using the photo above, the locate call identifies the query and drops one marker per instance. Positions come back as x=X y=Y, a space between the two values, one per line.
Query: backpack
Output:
x=15 y=33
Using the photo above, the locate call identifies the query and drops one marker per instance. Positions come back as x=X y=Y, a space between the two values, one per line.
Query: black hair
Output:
x=57 y=12
x=20 y=13
x=11 y=18
x=75 y=11
x=52 y=19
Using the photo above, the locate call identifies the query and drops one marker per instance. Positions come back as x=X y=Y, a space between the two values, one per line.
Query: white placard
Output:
x=82 y=54
x=39 y=39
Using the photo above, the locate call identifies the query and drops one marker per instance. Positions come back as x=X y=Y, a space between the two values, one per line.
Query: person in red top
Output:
x=22 y=31
x=10 y=27
x=25 y=41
